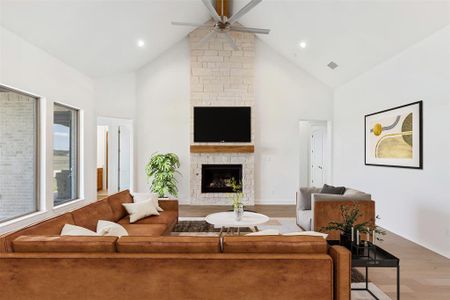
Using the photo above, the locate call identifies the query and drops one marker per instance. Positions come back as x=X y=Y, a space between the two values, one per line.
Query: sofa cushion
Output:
x=357 y=194
x=306 y=233
x=74 y=230
x=47 y=243
x=139 y=197
x=107 y=228
x=274 y=244
x=165 y=217
x=335 y=190
x=88 y=216
x=51 y=226
x=145 y=229
x=264 y=232
x=169 y=244
x=116 y=201
x=140 y=210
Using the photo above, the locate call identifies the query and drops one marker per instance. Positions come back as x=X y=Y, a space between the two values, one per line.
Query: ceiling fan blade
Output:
x=230 y=41
x=206 y=38
x=190 y=24
x=212 y=10
x=249 y=29
x=243 y=11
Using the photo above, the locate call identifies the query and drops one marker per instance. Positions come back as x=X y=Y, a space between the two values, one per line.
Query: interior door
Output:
x=124 y=148
x=317 y=157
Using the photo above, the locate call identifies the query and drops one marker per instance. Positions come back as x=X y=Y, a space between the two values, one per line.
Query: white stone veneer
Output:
x=221 y=76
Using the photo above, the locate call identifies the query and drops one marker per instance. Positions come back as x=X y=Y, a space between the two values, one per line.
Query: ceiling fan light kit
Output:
x=223 y=25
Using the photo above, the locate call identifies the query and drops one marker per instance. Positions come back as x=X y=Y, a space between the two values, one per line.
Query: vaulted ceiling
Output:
x=99 y=37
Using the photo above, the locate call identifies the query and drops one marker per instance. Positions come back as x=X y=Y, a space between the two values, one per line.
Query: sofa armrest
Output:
x=342 y=266
x=327 y=210
x=168 y=204
x=303 y=197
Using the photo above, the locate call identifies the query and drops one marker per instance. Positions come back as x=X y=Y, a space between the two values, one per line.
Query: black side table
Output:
x=374 y=257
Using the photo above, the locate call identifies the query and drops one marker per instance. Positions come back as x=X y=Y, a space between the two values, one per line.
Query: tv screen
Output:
x=222 y=124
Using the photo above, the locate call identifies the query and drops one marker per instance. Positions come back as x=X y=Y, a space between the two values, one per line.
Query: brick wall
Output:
x=221 y=76
x=17 y=155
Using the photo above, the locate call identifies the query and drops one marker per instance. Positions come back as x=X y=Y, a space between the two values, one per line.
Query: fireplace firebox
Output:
x=217 y=178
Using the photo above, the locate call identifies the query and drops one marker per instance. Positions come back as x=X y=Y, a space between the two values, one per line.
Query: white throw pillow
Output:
x=107 y=228
x=140 y=210
x=139 y=197
x=307 y=233
x=264 y=232
x=69 y=229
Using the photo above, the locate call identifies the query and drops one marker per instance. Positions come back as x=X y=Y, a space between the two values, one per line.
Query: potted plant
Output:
x=161 y=170
x=350 y=215
x=236 y=199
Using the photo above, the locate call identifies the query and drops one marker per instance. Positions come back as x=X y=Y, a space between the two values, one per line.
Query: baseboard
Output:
x=275 y=201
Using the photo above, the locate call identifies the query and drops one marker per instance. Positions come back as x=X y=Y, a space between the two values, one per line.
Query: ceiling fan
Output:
x=223 y=24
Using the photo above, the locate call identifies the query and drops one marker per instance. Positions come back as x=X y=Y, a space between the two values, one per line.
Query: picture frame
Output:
x=394 y=137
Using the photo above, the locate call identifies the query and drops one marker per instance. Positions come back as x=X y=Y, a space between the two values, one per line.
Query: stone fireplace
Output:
x=221 y=76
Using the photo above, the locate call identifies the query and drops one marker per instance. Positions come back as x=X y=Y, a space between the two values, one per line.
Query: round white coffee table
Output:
x=224 y=220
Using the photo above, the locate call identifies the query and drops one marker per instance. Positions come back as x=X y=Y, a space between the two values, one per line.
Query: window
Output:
x=65 y=154
x=18 y=154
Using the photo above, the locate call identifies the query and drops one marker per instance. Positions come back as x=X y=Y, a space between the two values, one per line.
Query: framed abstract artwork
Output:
x=393 y=137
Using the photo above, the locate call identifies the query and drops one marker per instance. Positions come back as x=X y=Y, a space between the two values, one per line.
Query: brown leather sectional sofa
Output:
x=37 y=263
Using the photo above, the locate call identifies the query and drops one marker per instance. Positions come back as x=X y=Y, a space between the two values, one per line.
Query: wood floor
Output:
x=424 y=274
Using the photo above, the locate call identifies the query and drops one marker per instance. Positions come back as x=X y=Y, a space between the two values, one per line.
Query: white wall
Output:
x=412 y=203
x=162 y=113
x=115 y=96
x=28 y=68
x=285 y=95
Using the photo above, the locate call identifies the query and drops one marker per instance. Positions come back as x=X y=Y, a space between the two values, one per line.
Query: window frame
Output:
x=77 y=153
x=37 y=153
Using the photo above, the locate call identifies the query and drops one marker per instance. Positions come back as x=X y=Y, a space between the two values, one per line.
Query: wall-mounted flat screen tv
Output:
x=214 y=124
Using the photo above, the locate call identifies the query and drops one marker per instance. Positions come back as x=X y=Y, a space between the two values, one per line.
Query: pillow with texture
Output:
x=264 y=232
x=139 y=197
x=307 y=233
x=69 y=229
x=140 y=210
x=335 y=190
x=107 y=228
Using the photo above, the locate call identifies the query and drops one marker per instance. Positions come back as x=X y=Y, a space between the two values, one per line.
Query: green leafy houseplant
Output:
x=350 y=215
x=236 y=198
x=161 y=170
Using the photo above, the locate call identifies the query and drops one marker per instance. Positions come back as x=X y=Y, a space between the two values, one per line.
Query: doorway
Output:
x=318 y=136
x=114 y=156
x=315 y=153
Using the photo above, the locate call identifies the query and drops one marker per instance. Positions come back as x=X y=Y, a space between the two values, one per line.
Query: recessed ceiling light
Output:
x=302 y=44
x=140 y=43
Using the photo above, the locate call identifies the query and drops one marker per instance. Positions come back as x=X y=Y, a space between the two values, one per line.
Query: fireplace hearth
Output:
x=217 y=178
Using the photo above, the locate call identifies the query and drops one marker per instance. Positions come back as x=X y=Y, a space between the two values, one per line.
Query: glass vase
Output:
x=238 y=211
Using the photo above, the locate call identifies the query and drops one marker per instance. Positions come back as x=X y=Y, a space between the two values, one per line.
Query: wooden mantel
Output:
x=222 y=148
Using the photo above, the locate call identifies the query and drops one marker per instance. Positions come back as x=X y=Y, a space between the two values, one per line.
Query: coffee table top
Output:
x=227 y=219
